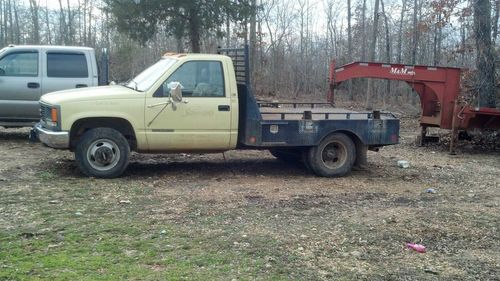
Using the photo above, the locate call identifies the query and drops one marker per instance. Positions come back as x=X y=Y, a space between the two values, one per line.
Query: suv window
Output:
x=67 y=65
x=19 y=64
x=199 y=79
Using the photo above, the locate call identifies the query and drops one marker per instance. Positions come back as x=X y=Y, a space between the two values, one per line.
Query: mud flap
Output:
x=361 y=156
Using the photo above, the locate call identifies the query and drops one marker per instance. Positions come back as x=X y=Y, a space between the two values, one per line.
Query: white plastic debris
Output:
x=403 y=164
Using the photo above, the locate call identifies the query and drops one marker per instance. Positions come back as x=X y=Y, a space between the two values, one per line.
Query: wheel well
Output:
x=355 y=138
x=119 y=124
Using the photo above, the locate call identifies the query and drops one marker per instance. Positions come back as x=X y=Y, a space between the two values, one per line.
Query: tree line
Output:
x=291 y=42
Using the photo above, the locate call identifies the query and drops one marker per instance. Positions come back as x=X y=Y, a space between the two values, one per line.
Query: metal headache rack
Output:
x=241 y=62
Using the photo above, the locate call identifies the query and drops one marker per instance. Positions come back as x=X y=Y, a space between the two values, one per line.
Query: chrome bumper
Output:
x=51 y=138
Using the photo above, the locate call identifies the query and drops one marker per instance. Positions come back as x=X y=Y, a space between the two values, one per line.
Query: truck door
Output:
x=20 y=85
x=202 y=122
x=66 y=70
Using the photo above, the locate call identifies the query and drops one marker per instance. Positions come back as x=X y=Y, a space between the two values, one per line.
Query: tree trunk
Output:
x=2 y=27
x=253 y=34
x=363 y=24
x=485 y=59
x=400 y=35
x=49 y=36
x=387 y=53
x=62 y=25
x=18 y=28
x=495 y=22
x=228 y=30
x=349 y=47
x=11 y=24
x=437 y=39
x=373 y=45
x=85 y=2
x=70 y=24
x=89 y=31
x=415 y=33
x=34 y=19
x=194 y=31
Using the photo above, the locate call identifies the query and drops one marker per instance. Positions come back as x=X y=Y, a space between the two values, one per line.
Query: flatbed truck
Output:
x=203 y=103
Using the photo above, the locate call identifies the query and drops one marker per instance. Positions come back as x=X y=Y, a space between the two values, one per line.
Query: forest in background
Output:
x=291 y=42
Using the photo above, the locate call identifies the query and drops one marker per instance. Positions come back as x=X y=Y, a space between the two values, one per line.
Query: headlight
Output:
x=50 y=115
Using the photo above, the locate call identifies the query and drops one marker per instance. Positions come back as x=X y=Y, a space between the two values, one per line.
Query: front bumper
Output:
x=51 y=138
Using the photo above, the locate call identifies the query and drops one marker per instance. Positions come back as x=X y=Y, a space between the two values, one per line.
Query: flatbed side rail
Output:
x=294 y=104
x=308 y=115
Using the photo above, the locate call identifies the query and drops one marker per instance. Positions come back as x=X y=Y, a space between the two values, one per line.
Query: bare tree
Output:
x=415 y=33
x=400 y=33
x=387 y=52
x=253 y=33
x=35 y=21
x=349 y=46
x=363 y=26
x=63 y=28
x=17 y=28
x=373 y=45
x=485 y=59
x=495 y=21
x=2 y=27
x=47 y=22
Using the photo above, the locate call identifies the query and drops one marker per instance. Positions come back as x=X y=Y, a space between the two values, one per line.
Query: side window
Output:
x=199 y=79
x=19 y=64
x=67 y=65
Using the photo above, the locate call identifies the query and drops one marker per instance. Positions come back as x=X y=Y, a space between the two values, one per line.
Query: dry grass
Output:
x=252 y=217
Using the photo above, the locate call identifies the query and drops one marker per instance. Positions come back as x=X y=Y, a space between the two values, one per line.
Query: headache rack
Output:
x=240 y=58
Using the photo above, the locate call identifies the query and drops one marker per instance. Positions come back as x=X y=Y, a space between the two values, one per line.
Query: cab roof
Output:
x=47 y=47
x=192 y=55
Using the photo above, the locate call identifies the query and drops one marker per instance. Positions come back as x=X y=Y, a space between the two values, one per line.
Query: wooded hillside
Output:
x=292 y=42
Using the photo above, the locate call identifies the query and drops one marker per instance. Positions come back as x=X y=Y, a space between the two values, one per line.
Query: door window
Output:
x=19 y=64
x=198 y=79
x=67 y=65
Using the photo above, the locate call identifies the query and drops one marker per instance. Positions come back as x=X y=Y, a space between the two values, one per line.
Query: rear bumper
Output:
x=50 y=138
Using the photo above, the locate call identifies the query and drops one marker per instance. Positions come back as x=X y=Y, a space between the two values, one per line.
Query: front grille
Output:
x=45 y=112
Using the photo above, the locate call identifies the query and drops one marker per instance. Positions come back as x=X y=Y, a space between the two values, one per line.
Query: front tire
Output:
x=333 y=157
x=102 y=153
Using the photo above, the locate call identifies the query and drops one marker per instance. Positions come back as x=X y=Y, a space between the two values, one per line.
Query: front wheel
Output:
x=333 y=157
x=102 y=153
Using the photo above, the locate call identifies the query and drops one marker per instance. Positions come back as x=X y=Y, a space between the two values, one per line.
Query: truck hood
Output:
x=93 y=94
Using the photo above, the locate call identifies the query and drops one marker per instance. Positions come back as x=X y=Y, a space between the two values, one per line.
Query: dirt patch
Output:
x=247 y=215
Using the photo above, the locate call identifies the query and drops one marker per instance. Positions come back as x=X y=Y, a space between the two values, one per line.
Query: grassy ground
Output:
x=191 y=217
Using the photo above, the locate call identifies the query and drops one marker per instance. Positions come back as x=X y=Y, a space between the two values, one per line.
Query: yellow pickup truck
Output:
x=204 y=103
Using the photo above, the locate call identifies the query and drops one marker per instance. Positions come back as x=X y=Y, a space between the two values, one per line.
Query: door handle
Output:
x=224 y=108
x=33 y=85
x=81 y=86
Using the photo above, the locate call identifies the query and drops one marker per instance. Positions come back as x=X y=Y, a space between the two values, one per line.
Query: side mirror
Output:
x=175 y=91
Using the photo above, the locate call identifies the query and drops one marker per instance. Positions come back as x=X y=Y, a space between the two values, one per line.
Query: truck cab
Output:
x=206 y=119
x=28 y=72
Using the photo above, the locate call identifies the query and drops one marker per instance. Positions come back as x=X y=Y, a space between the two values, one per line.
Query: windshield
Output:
x=148 y=77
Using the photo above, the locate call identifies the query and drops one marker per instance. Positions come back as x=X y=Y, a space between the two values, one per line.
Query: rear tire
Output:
x=102 y=153
x=333 y=157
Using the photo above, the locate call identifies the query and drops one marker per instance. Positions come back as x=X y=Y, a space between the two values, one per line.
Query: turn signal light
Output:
x=53 y=114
